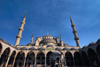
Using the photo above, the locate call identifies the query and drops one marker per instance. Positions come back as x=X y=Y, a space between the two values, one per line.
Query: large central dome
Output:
x=47 y=39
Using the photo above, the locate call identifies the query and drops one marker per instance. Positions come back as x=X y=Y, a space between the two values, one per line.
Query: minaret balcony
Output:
x=21 y=29
x=18 y=36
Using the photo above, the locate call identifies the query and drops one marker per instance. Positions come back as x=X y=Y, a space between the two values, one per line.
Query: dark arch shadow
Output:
x=85 y=59
x=19 y=59
x=30 y=59
x=98 y=50
x=0 y=47
x=40 y=59
x=78 y=59
x=93 y=58
x=69 y=59
x=4 y=57
x=10 y=63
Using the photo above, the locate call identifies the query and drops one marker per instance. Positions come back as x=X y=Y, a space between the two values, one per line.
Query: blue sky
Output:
x=50 y=16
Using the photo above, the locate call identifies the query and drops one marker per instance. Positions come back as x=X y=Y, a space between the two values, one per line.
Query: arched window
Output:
x=20 y=57
x=78 y=59
x=4 y=57
x=93 y=58
x=69 y=59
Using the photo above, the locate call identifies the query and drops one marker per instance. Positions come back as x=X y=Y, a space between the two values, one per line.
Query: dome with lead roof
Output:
x=47 y=39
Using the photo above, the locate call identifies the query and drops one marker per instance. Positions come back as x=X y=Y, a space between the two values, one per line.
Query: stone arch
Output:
x=69 y=59
x=0 y=47
x=10 y=63
x=48 y=58
x=40 y=58
x=30 y=59
x=4 y=57
x=20 y=59
x=77 y=59
x=93 y=58
x=98 y=50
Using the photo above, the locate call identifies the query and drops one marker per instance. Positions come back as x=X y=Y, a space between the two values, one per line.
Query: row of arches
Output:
x=91 y=58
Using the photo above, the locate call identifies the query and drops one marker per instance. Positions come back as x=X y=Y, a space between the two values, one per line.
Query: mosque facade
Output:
x=48 y=51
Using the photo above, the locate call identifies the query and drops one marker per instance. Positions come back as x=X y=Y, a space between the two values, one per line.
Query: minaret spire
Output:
x=61 y=42
x=19 y=36
x=75 y=33
x=32 y=38
x=60 y=37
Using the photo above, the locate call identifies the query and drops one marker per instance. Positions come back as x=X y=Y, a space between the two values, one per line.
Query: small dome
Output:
x=66 y=49
x=32 y=48
x=49 y=46
x=73 y=49
x=92 y=43
x=98 y=41
x=23 y=48
x=41 y=48
x=58 y=49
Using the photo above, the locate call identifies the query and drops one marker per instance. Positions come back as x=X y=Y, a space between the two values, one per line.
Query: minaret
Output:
x=61 y=42
x=19 y=36
x=75 y=33
x=32 y=39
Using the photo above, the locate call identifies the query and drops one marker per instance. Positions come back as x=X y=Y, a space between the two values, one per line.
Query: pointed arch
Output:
x=69 y=59
x=30 y=59
x=40 y=58
x=78 y=59
x=85 y=59
x=48 y=58
x=93 y=58
x=20 y=59
x=10 y=63
x=4 y=57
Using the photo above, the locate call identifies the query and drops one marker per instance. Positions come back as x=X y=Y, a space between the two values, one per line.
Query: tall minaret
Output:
x=32 y=39
x=75 y=33
x=19 y=36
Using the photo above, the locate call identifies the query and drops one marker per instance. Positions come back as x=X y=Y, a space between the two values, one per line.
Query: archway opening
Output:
x=93 y=58
x=30 y=59
x=85 y=59
x=19 y=62
x=4 y=57
x=78 y=59
x=10 y=63
x=40 y=59
x=58 y=62
x=69 y=59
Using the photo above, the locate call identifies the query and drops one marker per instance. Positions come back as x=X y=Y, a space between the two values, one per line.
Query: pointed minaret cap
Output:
x=32 y=38
x=25 y=16
x=71 y=19
x=47 y=33
x=60 y=37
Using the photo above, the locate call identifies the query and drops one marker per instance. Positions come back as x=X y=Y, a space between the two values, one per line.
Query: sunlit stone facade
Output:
x=48 y=51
